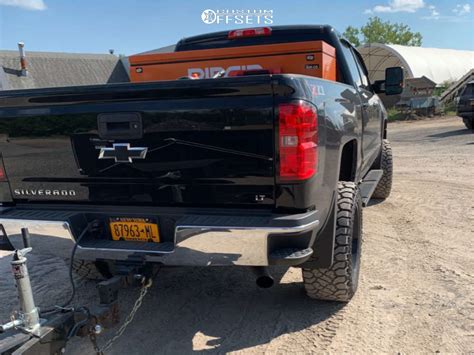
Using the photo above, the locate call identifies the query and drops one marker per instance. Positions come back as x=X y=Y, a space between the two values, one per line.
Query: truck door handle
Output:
x=120 y=125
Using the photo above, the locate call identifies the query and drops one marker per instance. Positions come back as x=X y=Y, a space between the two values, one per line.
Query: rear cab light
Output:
x=249 y=32
x=297 y=141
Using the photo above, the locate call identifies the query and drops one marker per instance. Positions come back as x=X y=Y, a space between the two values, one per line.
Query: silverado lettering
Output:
x=26 y=192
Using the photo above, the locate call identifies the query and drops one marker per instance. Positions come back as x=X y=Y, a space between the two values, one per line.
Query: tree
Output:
x=352 y=35
x=378 y=31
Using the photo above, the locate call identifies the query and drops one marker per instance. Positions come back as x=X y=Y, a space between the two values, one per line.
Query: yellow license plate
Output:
x=134 y=229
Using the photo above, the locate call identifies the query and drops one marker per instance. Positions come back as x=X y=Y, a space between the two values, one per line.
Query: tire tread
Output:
x=336 y=283
x=384 y=187
x=87 y=270
x=468 y=122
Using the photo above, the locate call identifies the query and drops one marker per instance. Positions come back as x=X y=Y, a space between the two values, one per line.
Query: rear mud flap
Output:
x=323 y=247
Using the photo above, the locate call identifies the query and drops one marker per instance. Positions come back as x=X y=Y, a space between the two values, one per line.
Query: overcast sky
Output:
x=129 y=27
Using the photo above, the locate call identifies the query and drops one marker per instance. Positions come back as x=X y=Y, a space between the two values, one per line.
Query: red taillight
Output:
x=298 y=140
x=250 y=32
x=3 y=176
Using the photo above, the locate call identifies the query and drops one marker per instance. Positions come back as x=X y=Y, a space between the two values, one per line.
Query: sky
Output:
x=129 y=27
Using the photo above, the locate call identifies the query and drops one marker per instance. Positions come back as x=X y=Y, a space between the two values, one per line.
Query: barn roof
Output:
x=49 y=69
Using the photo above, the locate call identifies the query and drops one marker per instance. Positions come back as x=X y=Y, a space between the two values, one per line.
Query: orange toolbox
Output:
x=313 y=58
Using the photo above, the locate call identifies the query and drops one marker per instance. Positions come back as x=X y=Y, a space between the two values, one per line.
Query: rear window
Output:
x=282 y=34
x=468 y=91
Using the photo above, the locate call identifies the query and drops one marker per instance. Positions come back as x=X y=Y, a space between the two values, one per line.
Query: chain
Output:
x=143 y=291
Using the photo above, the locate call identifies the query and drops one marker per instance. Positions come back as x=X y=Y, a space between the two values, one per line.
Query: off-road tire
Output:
x=90 y=270
x=339 y=282
x=468 y=122
x=384 y=187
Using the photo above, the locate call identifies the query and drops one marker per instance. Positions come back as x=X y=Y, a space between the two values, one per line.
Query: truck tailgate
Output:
x=188 y=142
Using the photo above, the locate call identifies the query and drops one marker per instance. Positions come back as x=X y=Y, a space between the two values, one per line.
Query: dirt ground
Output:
x=416 y=293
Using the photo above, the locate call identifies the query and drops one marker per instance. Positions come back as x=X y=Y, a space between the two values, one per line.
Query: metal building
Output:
x=442 y=66
x=438 y=65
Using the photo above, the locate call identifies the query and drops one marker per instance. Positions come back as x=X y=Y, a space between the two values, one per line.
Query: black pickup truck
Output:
x=465 y=105
x=255 y=170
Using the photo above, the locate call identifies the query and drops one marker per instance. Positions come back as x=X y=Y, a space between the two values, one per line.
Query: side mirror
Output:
x=378 y=86
x=393 y=81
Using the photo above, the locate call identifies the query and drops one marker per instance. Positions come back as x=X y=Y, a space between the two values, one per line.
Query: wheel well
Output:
x=347 y=170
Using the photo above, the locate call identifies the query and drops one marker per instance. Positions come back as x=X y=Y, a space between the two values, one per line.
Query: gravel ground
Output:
x=415 y=294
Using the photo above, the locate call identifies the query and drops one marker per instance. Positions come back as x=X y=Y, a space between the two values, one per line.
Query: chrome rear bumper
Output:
x=198 y=245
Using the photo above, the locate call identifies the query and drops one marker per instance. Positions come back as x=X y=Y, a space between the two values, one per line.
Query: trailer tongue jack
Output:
x=28 y=318
x=28 y=333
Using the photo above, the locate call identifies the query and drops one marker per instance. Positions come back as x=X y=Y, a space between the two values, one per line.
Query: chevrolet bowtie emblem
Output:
x=123 y=153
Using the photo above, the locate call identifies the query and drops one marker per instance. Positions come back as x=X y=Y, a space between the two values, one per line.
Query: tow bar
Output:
x=32 y=332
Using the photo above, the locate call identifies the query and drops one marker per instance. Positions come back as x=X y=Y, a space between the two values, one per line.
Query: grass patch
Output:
x=395 y=115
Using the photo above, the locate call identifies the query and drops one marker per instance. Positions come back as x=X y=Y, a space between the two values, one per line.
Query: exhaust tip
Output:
x=265 y=281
